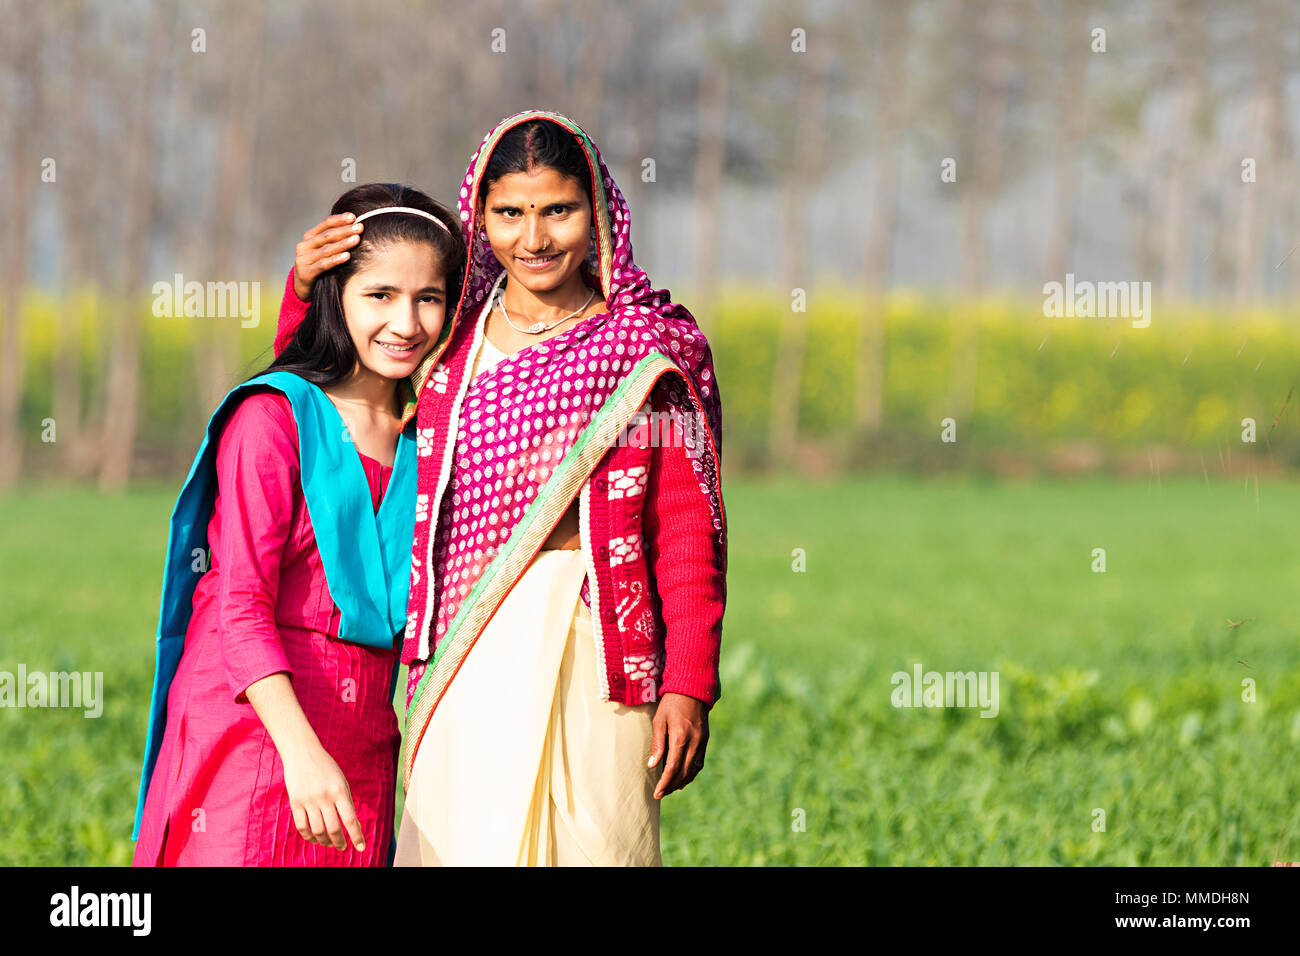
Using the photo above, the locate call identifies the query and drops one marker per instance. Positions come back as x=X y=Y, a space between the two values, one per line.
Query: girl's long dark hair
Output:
x=321 y=350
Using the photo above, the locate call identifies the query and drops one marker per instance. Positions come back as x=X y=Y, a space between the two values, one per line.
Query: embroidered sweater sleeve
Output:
x=292 y=311
x=687 y=568
x=257 y=468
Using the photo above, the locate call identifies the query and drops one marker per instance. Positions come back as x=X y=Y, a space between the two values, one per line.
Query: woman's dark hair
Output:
x=321 y=350
x=537 y=143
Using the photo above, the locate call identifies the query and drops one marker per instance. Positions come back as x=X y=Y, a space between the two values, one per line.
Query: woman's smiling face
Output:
x=395 y=304
x=539 y=227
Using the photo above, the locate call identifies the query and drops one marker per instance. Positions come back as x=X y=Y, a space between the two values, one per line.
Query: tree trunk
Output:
x=708 y=185
x=1283 y=187
x=587 y=86
x=121 y=401
x=22 y=49
x=993 y=76
x=1071 y=89
x=80 y=264
x=1263 y=144
x=891 y=115
x=1189 y=47
x=810 y=141
x=218 y=355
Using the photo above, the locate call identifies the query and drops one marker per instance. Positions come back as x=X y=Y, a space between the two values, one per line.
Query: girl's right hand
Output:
x=323 y=246
x=321 y=800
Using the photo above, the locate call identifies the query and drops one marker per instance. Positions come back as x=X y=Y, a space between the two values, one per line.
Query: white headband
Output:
x=416 y=212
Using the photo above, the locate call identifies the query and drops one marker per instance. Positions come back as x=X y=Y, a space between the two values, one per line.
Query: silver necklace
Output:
x=537 y=327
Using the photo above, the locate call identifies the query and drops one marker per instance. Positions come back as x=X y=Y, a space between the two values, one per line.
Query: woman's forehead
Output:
x=542 y=185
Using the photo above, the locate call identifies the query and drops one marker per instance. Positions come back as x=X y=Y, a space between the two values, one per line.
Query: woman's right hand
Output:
x=321 y=799
x=323 y=246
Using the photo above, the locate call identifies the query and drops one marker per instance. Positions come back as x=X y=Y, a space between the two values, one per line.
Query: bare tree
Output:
x=709 y=162
x=1188 y=77
x=807 y=148
x=1267 y=144
x=1070 y=102
x=22 y=49
x=234 y=207
x=78 y=144
x=989 y=67
x=586 y=85
x=121 y=399
x=890 y=89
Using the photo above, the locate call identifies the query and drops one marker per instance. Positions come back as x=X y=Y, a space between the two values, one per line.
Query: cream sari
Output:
x=522 y=764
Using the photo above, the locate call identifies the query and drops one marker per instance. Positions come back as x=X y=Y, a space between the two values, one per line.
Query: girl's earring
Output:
x=482 y=234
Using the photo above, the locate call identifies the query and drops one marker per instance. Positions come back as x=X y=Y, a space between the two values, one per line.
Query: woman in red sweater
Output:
x=582 y=565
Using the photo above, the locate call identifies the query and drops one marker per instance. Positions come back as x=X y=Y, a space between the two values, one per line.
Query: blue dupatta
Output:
x=366 y=556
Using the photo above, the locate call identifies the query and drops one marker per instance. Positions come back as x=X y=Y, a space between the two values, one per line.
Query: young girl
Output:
x=272 y=737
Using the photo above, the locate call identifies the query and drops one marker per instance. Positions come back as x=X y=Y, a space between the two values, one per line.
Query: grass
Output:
x=1121 y=694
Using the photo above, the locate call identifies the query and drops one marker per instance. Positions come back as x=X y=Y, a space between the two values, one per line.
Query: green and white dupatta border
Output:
x=535 y=526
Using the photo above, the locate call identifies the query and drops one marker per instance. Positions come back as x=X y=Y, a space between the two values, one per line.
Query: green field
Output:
x=1119 y=691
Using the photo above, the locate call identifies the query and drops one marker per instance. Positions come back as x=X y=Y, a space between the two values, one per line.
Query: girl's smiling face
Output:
x=395 y=304
x=539 y=227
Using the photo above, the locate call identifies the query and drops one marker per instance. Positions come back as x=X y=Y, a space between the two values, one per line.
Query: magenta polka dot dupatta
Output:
x=501 y=458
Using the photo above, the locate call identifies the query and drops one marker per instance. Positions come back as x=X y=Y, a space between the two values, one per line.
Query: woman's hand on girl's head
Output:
x=323 y=246
x=684 y=721
x=320 y=799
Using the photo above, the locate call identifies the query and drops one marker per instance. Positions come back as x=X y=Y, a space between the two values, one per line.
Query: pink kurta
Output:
x=217 y=795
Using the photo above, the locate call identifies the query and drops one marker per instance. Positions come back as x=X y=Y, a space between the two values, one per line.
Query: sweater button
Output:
x=598 y=486
x=608 y=616
x=602 y=552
